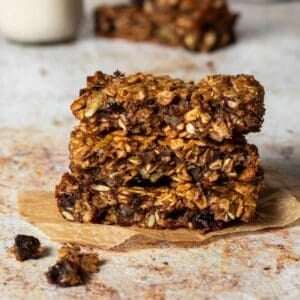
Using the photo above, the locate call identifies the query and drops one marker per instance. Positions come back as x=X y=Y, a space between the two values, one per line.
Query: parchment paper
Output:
x=277 y=208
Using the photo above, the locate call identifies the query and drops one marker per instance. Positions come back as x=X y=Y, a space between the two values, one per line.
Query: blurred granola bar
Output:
x=203 y=25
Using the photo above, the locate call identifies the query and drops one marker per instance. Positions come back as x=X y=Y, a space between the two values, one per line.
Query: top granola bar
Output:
x=217 y=107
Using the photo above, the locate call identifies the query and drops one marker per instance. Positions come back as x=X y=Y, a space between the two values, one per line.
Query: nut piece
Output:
x=96 y=103
x=100 y=188
x=68 y=215
x=193 y=114
x=165 y=97
x=27 y=247
x=190 y=128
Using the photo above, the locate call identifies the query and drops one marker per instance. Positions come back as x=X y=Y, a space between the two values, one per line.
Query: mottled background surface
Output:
x=37 y=85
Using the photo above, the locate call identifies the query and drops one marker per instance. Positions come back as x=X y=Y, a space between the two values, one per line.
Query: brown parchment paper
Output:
x=277 y=208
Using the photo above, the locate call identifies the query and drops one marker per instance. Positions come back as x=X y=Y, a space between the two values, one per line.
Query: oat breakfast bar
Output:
x=217 y=107
x=119 y=160
x=185 y=205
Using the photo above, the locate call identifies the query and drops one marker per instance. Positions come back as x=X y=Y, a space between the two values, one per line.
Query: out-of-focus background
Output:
x=38 y=84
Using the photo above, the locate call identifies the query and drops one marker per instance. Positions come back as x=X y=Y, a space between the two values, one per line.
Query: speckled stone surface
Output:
x=37 y=85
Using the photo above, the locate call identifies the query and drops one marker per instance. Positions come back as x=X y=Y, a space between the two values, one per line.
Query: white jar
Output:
x=40 y=21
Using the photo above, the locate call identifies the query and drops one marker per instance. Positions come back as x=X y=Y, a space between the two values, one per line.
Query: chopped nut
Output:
x=68 y=215
x=192 y=115
x=151 y=221
x=191 y=40
x=209 y=41
x=135 y=160
x=165 y=97
x=190 y=128
x=232 y=104
x=96 y=103
x=216 y=165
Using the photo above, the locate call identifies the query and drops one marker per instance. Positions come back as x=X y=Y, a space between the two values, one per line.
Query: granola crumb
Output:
x=27 y=247
x=72 y=267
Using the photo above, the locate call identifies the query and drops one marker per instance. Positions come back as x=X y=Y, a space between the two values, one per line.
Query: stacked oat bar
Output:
x=158 y=152
x=198 y=25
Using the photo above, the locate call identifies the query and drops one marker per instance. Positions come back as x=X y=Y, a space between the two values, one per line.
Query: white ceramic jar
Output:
x=40 y=21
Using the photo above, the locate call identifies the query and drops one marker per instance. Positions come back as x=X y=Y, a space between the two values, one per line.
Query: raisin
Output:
x=125 y=215
x=196 y=173
x=99 y=216
x=114 y=107
x=206 y=222
x=175 y=214
x=162 y=181
x=139 y=181
x=67 y=201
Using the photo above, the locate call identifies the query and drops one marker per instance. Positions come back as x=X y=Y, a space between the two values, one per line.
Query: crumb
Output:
x=72 y=267
x=211 y=66
x=27 y=247
x=57 y=122
x=287 y=152
x=43 y=72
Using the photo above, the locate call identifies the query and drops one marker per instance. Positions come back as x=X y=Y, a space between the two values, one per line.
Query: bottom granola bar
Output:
x=188 y=205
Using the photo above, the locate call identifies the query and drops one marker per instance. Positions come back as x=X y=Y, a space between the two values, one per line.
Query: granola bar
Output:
x=188 y=205
x=217 y=107
x=119 y=160
x=203 y=25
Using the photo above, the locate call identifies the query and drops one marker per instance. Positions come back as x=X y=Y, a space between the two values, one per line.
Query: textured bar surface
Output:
x=188 y=205
x=196 y=25
x=118 y=160
x=217 y=107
